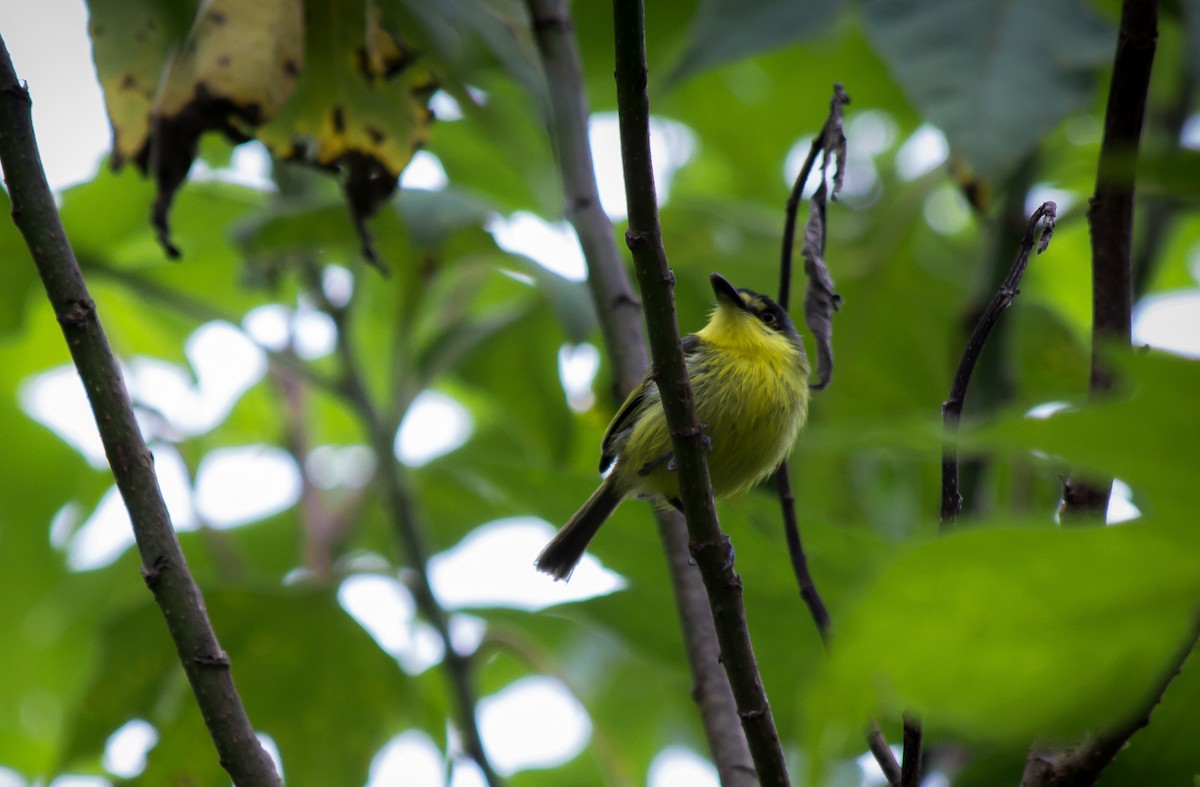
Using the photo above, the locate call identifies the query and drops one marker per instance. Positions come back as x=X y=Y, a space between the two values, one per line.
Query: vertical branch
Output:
x=409 y=534
x=164 y=568
x=709 y=546
x=620 y=320
x=1110 y=217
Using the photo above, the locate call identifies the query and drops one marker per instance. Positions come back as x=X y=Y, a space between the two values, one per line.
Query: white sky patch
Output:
x=126 y=749
x=553 y=246
x=226 y=364
x=676 y=766
x=577 y=367
x=425 y=172
x=51 y=51
x=493 y=566
x=435 y=425
x=872 y=773
x=72 y=780
x=249 y=166
x=338 y=284
x=1189 y=135
x=10 y=778
x=1120 y=504
x=385 y=608
x=410 y=758
x=922 y=153
x=872 y=131
x=672 y=146
x=243 y=484
x=1063 y=199
x=1170 y=321
x=467 y=774
x=1046 y=409
x=272 y=750
x=56 y=399
x=108 y=532
x=946 y=210
x=308 y=331
x=868 y=133
x=516 y=738
x=331 y=466
x=445 y=107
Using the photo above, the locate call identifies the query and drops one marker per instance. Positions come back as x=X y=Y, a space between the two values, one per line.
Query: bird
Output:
x=749 y=378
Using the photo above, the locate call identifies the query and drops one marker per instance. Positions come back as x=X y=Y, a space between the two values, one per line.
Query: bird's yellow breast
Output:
x=750 y=385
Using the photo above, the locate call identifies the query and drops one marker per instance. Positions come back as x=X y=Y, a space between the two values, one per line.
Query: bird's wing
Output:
x=622 y=423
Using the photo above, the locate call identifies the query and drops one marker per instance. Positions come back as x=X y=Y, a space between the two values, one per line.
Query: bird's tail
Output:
x=566 y=549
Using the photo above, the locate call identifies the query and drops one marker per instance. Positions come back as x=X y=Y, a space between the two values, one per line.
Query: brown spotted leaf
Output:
x=131 y=40
x=360 y=108
x=238 y=66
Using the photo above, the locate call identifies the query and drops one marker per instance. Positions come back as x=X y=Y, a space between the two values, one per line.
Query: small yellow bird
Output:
x=749 y=378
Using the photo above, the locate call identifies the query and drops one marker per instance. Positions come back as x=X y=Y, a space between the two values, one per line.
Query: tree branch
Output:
x=381 y=432
x=1110 y=218
x=952 y=408
x=709 y=546
x=164 y=568
x=1082 y=765
x=620 y=321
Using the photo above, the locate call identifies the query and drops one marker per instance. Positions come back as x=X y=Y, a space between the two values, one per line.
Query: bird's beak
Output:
x=726 y=292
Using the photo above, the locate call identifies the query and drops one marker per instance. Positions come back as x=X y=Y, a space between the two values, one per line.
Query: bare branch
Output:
x=710 y=547
x=952 y=408
x=1110 y=218
x=620 y=320
x=164 y=568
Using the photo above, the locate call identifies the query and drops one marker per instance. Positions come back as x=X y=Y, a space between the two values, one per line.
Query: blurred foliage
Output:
x=1008 y=630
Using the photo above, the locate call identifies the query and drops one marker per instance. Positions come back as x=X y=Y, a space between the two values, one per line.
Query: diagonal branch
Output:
x=163 y=565
x=1082 y=765
x=709 y=546
x=620 y=320
x=952 y=408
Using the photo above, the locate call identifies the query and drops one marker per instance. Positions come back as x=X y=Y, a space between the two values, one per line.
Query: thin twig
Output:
x=164 y=568
x=709 y=546
x=819 y=304
x=1110 y=219
x=952 y=408
x=409 y=533
x=621 y=325
x=1082 y=765
x=910 y=772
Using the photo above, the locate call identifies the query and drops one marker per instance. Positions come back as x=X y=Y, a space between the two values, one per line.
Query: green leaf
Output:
x=327 y=733
x=1005 y=635
x=727 y=30
x=17 y=274
x=994 y=76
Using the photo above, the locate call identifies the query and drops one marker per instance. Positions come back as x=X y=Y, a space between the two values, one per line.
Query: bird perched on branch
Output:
x=749 y=379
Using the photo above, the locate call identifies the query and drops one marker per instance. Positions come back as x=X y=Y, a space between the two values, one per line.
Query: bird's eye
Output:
x=768 y=318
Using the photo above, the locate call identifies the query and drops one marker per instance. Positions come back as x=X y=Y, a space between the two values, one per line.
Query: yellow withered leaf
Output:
x=360 y=107
x=131 y=40
x=238 y=66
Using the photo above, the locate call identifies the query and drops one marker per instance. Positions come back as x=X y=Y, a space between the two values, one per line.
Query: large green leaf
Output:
x=726 y=30
x=354 y=695
x=1006 y=634
x=994 y=76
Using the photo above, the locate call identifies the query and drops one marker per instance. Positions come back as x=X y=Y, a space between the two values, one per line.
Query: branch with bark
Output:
x=1110 y=218
x=381 y=433
x=164 y=568
x=952 y=408
x=620 y=320
x=710 y=547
